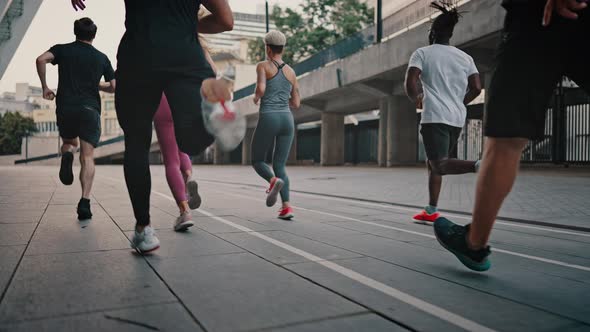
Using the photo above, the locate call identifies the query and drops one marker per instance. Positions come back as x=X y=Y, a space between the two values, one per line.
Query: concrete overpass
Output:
x=15 y=18
x=373 y=79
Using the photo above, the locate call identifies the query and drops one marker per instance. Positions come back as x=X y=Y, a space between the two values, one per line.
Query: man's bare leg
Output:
x=498 y=172
x=87 y=167
x=434 y=186
x=69 y=145
x=86 y=179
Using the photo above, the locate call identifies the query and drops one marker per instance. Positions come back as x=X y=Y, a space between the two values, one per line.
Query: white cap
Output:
x=276 y=38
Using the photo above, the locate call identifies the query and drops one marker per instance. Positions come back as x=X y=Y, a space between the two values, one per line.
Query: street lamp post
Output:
x=27 y=146
x=379 y=21
x=267 y=21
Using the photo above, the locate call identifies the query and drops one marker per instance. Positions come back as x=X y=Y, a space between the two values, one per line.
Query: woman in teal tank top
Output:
x=277 y=92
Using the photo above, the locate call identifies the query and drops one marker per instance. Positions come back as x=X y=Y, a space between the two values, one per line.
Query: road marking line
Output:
x=508 y=252
x=346 y=200
x=419 y=304
x=399 y=208
x=431 y=309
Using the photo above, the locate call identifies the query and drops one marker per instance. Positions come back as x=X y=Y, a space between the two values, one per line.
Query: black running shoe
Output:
x=84 y=212
x=66 y=176
x=452 y=237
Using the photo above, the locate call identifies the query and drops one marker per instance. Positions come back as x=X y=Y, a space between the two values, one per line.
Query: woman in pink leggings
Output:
x=178 y=167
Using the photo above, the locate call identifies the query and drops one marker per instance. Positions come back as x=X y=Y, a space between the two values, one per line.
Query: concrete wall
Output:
x=40 y=146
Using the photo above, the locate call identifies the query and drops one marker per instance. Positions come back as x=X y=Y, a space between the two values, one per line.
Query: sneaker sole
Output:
x=82 y=216
x=423 y=222
x=287 y=217
x=193 y=191
x=271 y=198
x=184 y=226
x=470 y=264
x=148 y=251
x=66 y=176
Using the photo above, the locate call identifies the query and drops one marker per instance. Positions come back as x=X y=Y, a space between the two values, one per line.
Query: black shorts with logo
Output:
x=79 y=121
x=440 y=140
x=530 y=62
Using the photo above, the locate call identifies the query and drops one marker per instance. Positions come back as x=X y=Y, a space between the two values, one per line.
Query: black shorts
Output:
x=138 y=96
x=530 y=62
x=79 y=121
x=440 y=140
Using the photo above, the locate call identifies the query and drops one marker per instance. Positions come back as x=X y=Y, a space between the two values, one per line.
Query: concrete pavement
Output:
x=340 y=265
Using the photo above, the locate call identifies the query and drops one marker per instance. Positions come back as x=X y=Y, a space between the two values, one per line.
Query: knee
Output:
x=86 y=160
x=436 y=167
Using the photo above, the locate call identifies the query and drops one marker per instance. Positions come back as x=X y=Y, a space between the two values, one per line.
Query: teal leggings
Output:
x=277 y=128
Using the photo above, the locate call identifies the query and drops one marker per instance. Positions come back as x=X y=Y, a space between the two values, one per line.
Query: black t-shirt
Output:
x=161 y=35
x=531 y=3
x=80 y=66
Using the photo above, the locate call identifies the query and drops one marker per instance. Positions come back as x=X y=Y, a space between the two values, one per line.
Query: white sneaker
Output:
x=183 y=222
x=146 y=241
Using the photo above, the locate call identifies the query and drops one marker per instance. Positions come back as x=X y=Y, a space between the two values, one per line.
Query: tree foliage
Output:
x=317 y=25
x=13 y=127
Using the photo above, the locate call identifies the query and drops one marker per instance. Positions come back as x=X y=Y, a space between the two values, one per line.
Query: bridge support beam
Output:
x=332 y=139
x=247 y=147
x=382 y=139
x=402 y=132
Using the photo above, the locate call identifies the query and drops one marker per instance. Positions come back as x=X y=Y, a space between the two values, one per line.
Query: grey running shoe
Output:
x=192 y=190
x=146 y=241
x=183 y=222
x=273 y=191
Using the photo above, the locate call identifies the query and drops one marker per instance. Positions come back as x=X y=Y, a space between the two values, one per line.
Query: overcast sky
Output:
x=54 y=25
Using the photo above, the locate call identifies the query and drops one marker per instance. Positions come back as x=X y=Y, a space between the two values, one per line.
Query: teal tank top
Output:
x=277 y=94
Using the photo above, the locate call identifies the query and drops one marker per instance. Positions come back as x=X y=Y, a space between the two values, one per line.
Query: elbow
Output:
x=476 y=91
x=227 y=23
x=295 y=104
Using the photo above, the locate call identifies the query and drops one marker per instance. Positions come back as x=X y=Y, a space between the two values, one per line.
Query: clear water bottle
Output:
x=222 y=119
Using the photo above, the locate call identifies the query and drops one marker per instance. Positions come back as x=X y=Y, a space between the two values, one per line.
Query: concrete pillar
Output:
x=332 y=139
x=220 y=157
x=293 y=153
x=382 y=143
x=402 y=132
x=247 y=147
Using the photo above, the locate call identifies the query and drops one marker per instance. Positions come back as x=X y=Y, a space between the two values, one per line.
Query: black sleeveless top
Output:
x=161 y=35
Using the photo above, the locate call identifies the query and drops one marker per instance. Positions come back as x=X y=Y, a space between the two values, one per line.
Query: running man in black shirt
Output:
x=160 y=53
x=541 y=42
x=80 y=67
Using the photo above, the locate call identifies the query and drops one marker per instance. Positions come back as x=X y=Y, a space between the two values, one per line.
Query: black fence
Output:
x=567 y=132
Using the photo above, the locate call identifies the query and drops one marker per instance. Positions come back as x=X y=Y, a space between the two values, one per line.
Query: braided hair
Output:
x=443 y=26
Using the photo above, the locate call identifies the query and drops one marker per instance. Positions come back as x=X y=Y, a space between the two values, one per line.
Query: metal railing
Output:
x=55 y=155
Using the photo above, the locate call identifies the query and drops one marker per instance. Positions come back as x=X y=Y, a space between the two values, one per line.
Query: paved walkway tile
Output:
x=339 y=265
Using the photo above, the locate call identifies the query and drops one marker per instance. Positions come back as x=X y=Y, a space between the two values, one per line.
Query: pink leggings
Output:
x=175 y=161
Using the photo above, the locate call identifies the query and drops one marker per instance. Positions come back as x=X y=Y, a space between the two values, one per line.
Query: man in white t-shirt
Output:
x=450 y=81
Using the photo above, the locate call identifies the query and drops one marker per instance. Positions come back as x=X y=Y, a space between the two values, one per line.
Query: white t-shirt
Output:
x=445 y=70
